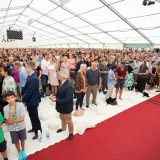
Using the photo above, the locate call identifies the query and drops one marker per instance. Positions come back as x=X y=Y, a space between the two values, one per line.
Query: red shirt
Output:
x=121 y=73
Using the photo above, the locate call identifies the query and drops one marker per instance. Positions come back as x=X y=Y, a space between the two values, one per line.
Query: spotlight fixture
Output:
x=148 y=2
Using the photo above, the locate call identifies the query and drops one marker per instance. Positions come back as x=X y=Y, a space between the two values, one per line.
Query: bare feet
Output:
x=120 y=98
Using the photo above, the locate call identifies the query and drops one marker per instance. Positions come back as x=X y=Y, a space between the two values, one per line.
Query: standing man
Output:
x=22 y=75
x=11 y=65
x=94 y=83
x=136 y=66
x=104 y=72
x=121 y=74
x=44 y=67
x=64 y=102
x=32 y=98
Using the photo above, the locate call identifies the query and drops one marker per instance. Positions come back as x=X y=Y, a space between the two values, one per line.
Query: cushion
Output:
x=101 y=111
x=93 y=107
x=53 y=124
x=43 y=116
x=84 y=125
x=78 y=113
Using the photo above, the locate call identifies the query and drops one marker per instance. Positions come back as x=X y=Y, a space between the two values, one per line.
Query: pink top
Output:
x=65 y=65
x=16 y=75
x=72 y=63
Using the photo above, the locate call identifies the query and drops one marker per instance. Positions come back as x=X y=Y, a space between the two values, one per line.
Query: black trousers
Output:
x=141 y=84
x=33 y=114
x=104 y=83
x=3 y=103
x=80 y=97
x=44 y=80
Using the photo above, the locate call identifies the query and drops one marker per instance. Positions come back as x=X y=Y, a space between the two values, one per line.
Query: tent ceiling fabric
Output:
x=83 y=21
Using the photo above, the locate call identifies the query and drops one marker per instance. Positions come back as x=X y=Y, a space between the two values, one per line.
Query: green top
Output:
x=1 y=130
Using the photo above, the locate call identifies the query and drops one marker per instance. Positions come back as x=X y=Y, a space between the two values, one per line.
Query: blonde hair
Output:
x=83 y=65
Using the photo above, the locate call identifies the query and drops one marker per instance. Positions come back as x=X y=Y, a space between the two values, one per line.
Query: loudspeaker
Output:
x=11 y=34
x=33 y=39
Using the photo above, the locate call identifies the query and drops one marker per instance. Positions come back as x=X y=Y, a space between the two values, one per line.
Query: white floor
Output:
x=49 y=116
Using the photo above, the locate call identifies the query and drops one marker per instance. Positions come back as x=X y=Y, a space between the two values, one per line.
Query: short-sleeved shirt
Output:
x=103 y=68
x=19 y=111
x=93 y=77
x=143 y=70
x=121 y=73
x=1 y=130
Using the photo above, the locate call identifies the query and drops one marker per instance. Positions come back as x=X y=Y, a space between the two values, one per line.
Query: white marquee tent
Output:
x=80 y=23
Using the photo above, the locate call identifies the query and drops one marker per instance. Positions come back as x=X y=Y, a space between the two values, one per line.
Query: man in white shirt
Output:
x=44 y=66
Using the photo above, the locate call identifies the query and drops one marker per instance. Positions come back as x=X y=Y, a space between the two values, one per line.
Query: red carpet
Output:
x=131 y=135
x=156 y=98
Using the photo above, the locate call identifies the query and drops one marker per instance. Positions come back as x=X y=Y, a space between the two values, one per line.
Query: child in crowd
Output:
x=14 y=114
x=2 y=140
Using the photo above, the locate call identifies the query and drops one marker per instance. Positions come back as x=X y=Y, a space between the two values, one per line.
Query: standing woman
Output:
x=81 y=85
x=8 y=85
x=158 y=76
x=65 y=63
x=52 y=75
x=142 y=77
x=72 y=66
x=152 y=74
x=129 y=80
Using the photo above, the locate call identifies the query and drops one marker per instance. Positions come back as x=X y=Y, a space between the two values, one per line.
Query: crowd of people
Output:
x=27 y=75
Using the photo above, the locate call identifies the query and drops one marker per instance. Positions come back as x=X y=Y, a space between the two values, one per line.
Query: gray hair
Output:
x=64 y=73
x=31 y=64
x=17 y=63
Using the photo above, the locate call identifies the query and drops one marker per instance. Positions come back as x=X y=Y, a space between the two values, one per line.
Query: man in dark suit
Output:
x=64 y=102
x=32 y=98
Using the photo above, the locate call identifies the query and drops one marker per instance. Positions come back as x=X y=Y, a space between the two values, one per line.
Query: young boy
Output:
x=2 y=140
x=14 y=114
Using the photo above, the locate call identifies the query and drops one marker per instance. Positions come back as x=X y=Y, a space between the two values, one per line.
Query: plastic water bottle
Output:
x=39 y=136
x=47 y=133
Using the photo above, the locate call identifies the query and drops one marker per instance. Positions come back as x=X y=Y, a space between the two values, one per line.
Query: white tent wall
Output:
x=15 y=44
x=113 y=45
